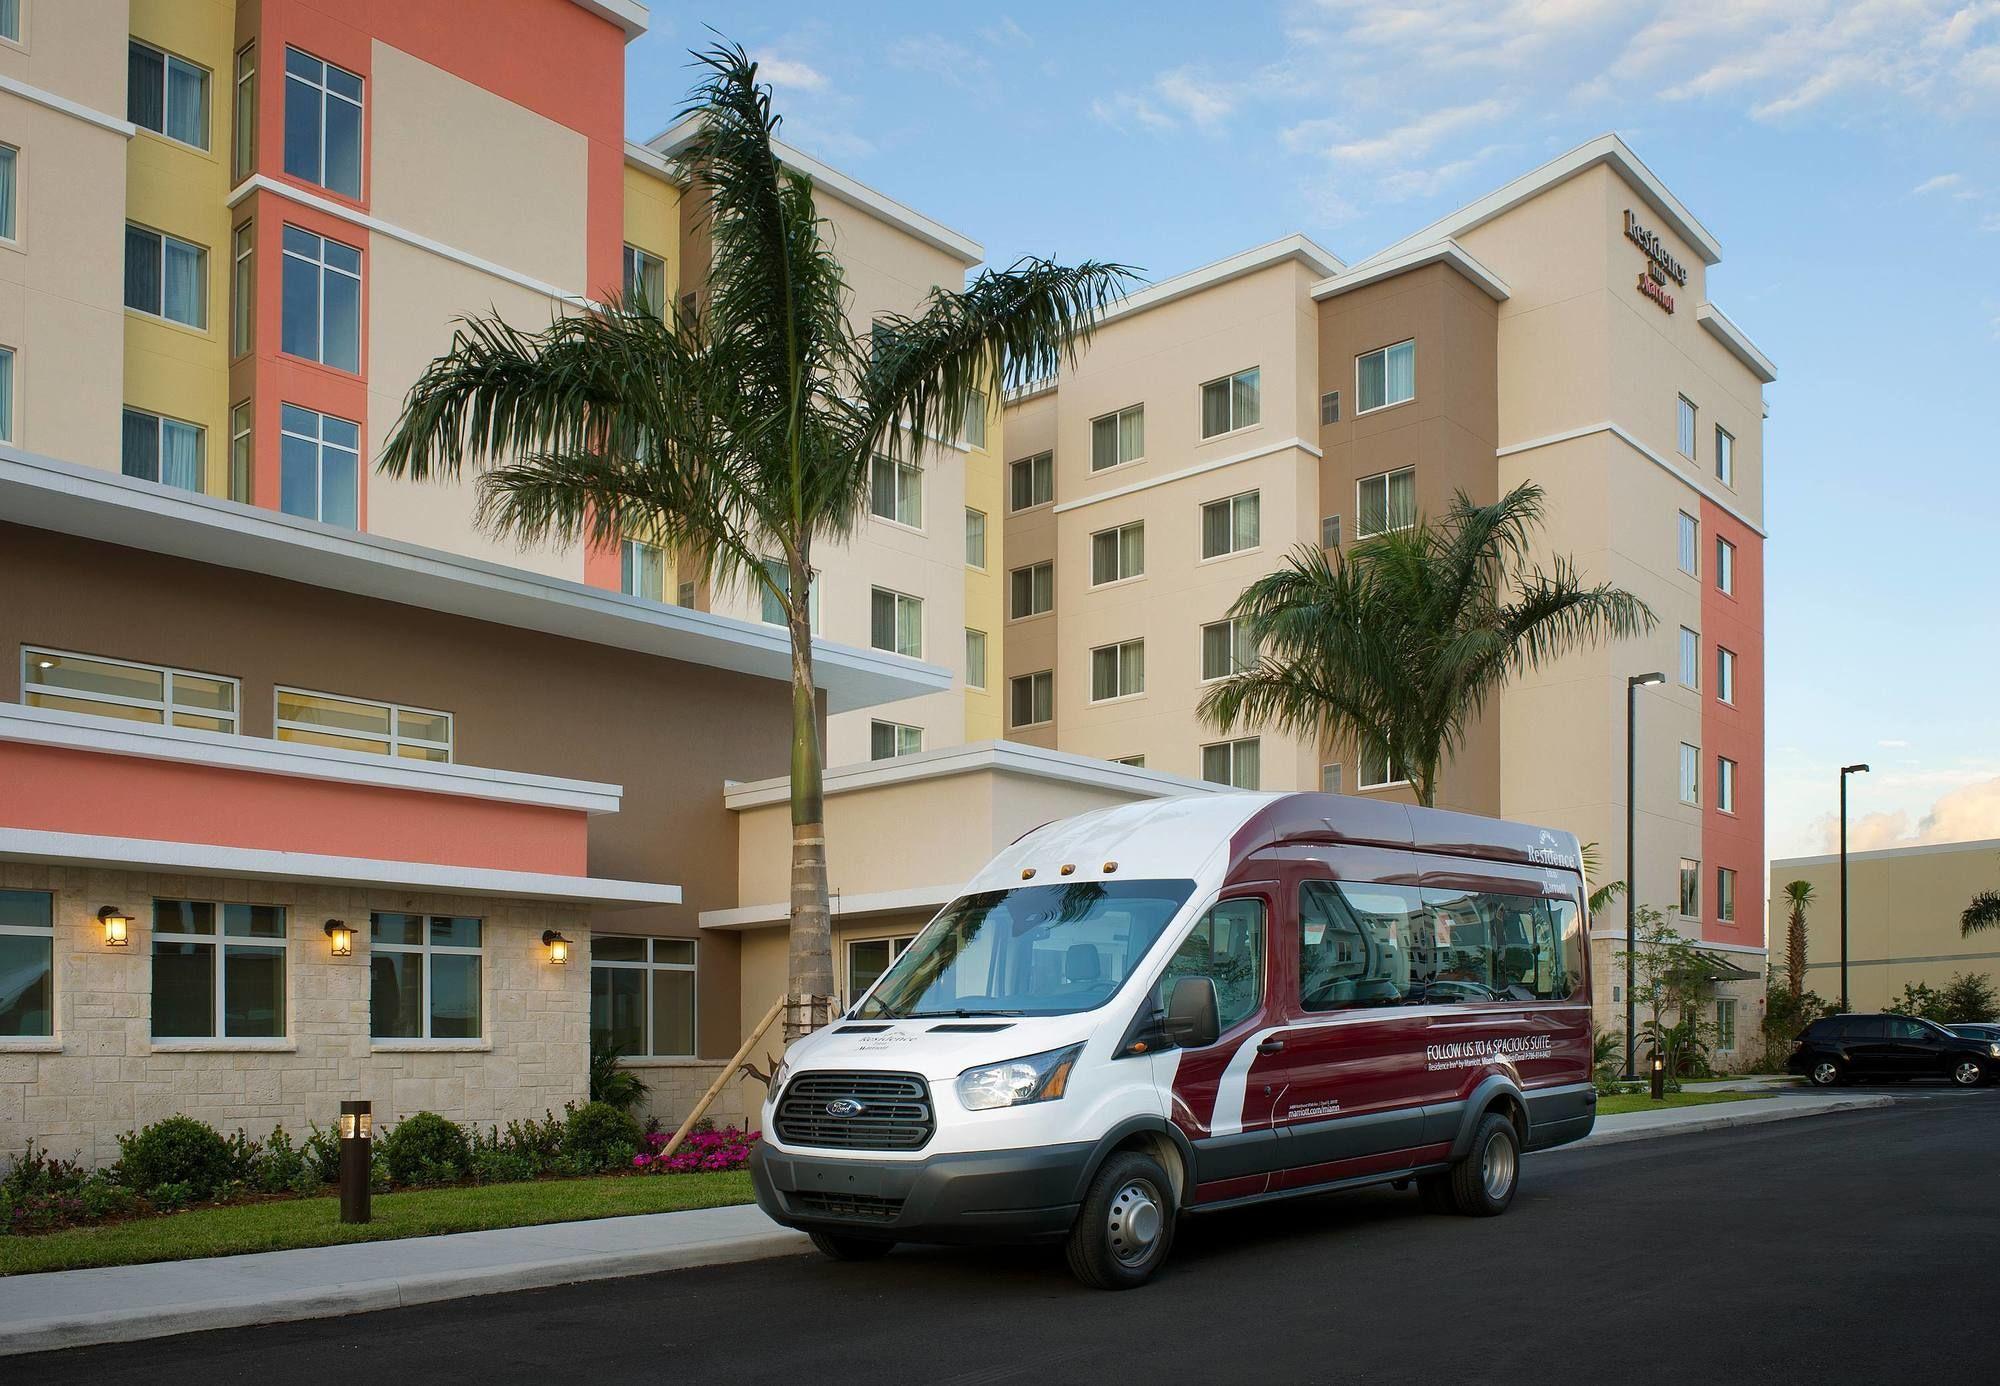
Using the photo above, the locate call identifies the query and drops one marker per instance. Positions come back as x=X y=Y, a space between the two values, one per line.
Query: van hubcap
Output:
x=1133 y=1225
x=1496 y=1167
x=1967 y=1073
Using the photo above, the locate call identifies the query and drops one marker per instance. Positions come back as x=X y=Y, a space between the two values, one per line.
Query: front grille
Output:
x=859 y=1207
x=894 y=1111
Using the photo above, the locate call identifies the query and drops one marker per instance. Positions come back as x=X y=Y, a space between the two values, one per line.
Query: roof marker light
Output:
x=1069 y=868
x=1109 y=867
x=1027 y=873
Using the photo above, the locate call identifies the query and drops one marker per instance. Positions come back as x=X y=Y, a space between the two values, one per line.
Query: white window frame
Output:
x=1117 y=417
x=243 y=131
x=1725 y=566
x=1725 y=894
x=1118 y=554
x=430 y=950
x=1690 y=670
x=897 y=618
x=1725 y=785
x=897 y=943
x=649 y=966
x=11 y=235
x=1137 y=762
x=906 y=492
x=1725 y=457
x=1725 y=675
x=1123 y=653
x=1687 y=540
x=1033 y=681
x=1236 y=626
x=1235 y=747
x=47 y=935
x=900 y=732
x=1235 y=425
x=218 y=943
x=1256 y=498
x=1687 y=427
x=326 y=94
x=14 y=8
x=975 y=522
x=1690 y=775
x=1037 y=464
x=395 y=741
x=1361 y=531
x=633 y=557
x=1725 y=1030
x=161 y=314
x=160 y=422
x=781 y=570
x=320 y=446
x=1690 y=870
x=634 y=261
x=979 y=668
x=973 y=434
x=165 y=705
x=1363 y=784
x=243 y=292
x=1330 y=777
x=10 y=378
x=1031 y=569
x=242 y=452
x=322 y=267
x=167 y=61
x=1383 y=352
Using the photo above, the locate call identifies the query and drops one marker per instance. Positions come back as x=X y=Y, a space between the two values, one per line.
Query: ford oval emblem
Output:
x=843 y=1107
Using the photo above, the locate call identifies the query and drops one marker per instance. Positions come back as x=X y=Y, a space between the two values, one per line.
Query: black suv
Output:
x=1894 y=1047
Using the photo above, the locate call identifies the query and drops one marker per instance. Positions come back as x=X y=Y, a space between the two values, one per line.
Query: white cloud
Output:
x=1181 y=96
x=1415 y=138
x=1969 y=813
x=788 y=72
x=1125 y=111
x=1943 y=182
x=1005 y=32
x=946 y=59
x=1894 y=744
x=1195 y=97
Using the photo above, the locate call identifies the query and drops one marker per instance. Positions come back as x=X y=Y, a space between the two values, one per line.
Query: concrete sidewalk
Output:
x=122 y=1303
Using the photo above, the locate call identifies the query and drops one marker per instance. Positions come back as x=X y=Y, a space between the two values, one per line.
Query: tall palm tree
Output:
x=1398 y=643
x=1801 y=895
x=743 y=436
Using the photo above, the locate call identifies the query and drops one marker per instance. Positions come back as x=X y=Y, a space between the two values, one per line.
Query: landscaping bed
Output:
x=1620 y=1104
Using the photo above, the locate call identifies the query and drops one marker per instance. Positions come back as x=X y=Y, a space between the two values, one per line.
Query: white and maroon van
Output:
x=1191 y=1004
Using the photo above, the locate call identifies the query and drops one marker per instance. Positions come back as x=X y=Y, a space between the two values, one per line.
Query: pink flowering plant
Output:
x=704 y=1151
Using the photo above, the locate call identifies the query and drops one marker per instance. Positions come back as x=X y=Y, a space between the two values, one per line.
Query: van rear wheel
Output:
x=1126 y=1225
x=840 y=1247
x=1482 y=1184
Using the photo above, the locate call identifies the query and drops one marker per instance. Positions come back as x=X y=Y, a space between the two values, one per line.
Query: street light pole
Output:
x=1845 y=771
x=1632 y=687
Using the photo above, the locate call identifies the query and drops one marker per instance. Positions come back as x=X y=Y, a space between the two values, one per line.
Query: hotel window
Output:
x=975 y=658
x=1685 y=437
x=1725 y=895
x=9 y=156
x=1034 y=699
x=773 y=610
x=1329 y=778
x=10 y=20
x=1725 y=784
x=1119 y=437
x=869 y=958
x=1725 y=674
x=241 y=459
x=1329 y=407
x=322 y=123
x=1690 y=888
x=163 y=450
x=1385 y=377
x=1226 y=648
x=1725 y=1022
x=319 y=466
x=1725 y=456
x=1725 y=566
x=642 y=996
x=6 y=394
x=896 y=622
x=887 y=740
x=321 y=319
x=1117 y=554
x=1690 y=658
x=1118 y=671
x=975 y=539
x=1690 y=774
x=896 y=491
x=1689 y=555
x=27 y=961
x=1031 y=590
x=424 y=976
x=642 y=570
x=1031 y=481
x=359 y=724
x=645 y=282
x=684 y=595
x=218 y=970
x=130 y=692
x=1329 y=532
x=1385 y=503
x=1231 y=403
x=1379 y=771
x=166 y=277
x=973 y=433
x=166 y=94
x=243 y=156
x=1234 y=763
x=242 y=290
x=1230 y=526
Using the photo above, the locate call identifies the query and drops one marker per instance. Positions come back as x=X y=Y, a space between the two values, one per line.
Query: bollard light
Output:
x=1659 y=1078
x=558 y=946
x=116 y=922
x=342 y=936
x=357 y=1132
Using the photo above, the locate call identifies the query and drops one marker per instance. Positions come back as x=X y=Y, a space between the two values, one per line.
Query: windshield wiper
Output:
x=960 y=1013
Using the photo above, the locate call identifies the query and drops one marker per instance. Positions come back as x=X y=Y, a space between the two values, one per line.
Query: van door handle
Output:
x=1271 y=1046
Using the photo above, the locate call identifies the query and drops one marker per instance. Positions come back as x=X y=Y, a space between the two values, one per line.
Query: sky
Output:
x=1847 y=156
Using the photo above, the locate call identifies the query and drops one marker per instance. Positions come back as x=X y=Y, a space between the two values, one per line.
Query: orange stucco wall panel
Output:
x=1733 y=621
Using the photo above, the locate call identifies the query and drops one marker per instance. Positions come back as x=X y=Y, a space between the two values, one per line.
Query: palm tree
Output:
x=1982 y=913
x=1398 y=643
x=1800 y=893
x=742 y=436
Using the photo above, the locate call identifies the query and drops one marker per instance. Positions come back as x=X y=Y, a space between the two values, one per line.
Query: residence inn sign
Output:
x=1661 y=264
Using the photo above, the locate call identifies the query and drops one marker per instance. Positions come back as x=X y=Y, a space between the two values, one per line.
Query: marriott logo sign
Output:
x=1661 y=264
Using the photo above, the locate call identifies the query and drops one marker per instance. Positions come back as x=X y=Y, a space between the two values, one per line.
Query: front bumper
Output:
x=978 y=1196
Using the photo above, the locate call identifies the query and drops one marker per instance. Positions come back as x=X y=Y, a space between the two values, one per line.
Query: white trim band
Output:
x=849 y=907
x=1448 y=252
x=1301 y=249
x=1698 y=485
x=1731 y=336
x=1184 y=473
x=1000 y=757
x=68 y=107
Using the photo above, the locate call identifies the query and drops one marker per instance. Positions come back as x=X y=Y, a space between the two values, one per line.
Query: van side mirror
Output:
x=1192 y=1015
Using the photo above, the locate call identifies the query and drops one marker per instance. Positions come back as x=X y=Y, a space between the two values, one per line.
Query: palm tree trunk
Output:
x=809 y=971
x=1795 y=953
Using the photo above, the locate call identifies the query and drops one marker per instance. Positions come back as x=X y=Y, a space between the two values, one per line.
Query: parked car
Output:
x=1193 y=1004
x=1895 y=1047
x=1981 y=1029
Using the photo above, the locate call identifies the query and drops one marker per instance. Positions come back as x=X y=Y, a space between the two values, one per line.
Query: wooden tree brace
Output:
x=722 y=1079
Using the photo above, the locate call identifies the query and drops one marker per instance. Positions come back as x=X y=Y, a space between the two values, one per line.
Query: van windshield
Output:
x=1033 y=950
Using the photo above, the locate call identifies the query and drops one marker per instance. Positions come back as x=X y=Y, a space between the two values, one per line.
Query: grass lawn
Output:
x=286 y=1223
x=1641 y=1102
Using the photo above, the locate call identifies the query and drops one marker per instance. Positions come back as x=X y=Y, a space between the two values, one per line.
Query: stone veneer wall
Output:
x=677 y=1084
x=1607 y=968
x=103 y=1073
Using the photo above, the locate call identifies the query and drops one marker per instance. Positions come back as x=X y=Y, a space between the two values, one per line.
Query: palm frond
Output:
x=1983 y=913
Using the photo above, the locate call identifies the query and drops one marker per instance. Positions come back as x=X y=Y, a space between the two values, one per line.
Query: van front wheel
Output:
x=1482 y=1184
x=1126 y=1224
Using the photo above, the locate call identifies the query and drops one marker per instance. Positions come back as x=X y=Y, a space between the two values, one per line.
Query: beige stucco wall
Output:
x=1903 y=914
x=104 y=1074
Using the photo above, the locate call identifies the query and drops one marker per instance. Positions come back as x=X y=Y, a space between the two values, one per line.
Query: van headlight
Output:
x=1037 y=1078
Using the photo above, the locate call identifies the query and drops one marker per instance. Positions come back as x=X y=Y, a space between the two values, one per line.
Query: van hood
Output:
x=941 y=1047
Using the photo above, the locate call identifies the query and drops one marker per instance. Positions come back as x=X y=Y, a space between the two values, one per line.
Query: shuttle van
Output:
x=1185 y=1005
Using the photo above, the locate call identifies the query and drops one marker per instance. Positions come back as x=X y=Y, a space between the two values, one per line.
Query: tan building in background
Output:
x=1903 y=911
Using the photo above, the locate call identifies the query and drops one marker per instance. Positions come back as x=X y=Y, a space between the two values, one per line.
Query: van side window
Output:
x=1227 y=946
x=1363 y=945
x=1494 y=947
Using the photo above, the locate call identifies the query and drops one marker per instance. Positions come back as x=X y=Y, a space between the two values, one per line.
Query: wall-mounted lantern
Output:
x=342 y=936
x=116 y=924
x=557 y=944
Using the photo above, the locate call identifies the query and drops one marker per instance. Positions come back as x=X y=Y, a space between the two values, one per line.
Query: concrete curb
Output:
x=1723 y=1119
x=394 y=1292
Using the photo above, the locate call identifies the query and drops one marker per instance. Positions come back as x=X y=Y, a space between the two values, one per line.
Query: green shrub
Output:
x=178 y=1150
x=103 y=1197
x=492 y=1165
x=621 y=1087
x=170 y=1197
x=322 y=1153
x=599 y=1137
x=426 y=1149
x=283 y=1166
